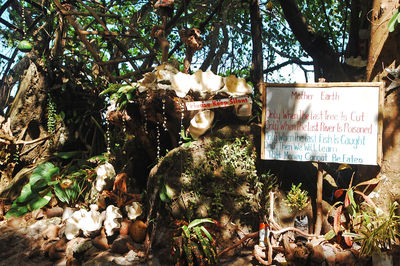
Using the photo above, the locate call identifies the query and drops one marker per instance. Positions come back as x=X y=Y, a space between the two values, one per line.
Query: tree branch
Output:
x=256 y=71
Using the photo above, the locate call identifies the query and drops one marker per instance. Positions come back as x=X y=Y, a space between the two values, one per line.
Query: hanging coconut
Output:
x=24 y=46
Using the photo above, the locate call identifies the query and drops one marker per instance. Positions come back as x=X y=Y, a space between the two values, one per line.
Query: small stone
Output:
x=76 y=246
x=125 y=224
x=138 y=231
x=57 y=250
x=101 y=241
x=51 y=232
x=122 y=244
x=16 y=222
x=317 y=254
x=54 y=212
x=345 y=258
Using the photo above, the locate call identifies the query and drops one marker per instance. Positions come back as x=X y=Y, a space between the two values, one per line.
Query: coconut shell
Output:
x=137 y=231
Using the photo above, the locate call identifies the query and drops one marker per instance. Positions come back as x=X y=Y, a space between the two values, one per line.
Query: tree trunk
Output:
x=28 y=113
x=383 y=48
x=326 y=60
x=383 y=53
x=257 y=56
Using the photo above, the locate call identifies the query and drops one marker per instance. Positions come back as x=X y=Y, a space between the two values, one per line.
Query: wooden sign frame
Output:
x=327 y=85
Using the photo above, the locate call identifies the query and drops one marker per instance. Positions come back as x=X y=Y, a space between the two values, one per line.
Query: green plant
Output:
x=351 y=210
x=260 y=186
x=296 y=199
x=394 y=21
x=51 y=114
x=377 y=230
x=121 y=94
x=195 y=245
x=227 y=174
x=36 y=193
x=187 y=140
x=67 y=184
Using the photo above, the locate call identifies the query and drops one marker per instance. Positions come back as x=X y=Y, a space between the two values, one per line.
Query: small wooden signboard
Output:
x=323 y=122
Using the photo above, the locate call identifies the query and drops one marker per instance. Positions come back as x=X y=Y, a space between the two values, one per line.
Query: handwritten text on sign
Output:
x=210 y=104
x=327 y=124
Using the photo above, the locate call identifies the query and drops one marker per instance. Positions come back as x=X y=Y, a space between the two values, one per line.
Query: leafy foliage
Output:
x=121 y=94
x=195 y=245
x=36 y=194
x=67 y=184
x=226 y=175
x=352 y=211
x=394 y=21
x=296 y=199
x=378 y=231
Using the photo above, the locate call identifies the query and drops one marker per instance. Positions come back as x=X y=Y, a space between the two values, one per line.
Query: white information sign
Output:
x=327 y=123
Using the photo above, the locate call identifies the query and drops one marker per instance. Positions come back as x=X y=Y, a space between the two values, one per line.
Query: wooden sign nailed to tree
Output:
x=325 y=122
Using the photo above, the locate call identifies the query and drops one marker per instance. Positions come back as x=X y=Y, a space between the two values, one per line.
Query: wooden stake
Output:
x=318 y=220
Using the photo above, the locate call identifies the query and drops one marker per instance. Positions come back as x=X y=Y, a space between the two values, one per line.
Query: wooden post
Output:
x=318 y=220
x=320 y=181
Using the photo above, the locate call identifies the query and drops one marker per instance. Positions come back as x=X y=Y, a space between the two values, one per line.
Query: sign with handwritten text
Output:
x=210 y=104
x=323 y=122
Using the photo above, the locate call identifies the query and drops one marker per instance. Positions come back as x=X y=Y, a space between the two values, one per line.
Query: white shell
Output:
x=87 y=221
x=67 y=213
x=208 y=82
x=182 y=83
x=243 y=111
x=91 y=221
x=236 y=86
x=200 y=123
x=105 y=176
x=165 y=72
x=113 y=220
x=71 y=225
x=134 y=210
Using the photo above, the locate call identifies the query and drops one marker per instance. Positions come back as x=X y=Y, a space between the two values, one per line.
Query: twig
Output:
x=271 y=219
x=250 y=235
x=287 y=229
x=258 y=254
x=269 y=250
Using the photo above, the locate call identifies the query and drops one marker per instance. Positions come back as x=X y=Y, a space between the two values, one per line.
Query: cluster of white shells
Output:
x=90 y=222
x=205 y=84
x=167 y=77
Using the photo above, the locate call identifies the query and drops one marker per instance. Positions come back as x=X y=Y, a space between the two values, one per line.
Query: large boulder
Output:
x=221 y=177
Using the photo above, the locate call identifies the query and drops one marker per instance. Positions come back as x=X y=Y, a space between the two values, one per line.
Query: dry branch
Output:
x=75 y=13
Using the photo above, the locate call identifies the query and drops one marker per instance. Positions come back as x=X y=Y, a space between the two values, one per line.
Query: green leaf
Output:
x=205 y=231
x=205 y=245
x=186 y=231
x=39 y=202
x=394 y=21
x=200 y=221
x=166 y=193
x=353 y=235
x=109 y=90
x=60 y=194
x=126 y=89
x=16 y=211
x=351 y=198
x=67 y=154
x=331 y=234
x=43 y=171
x=26 y=194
